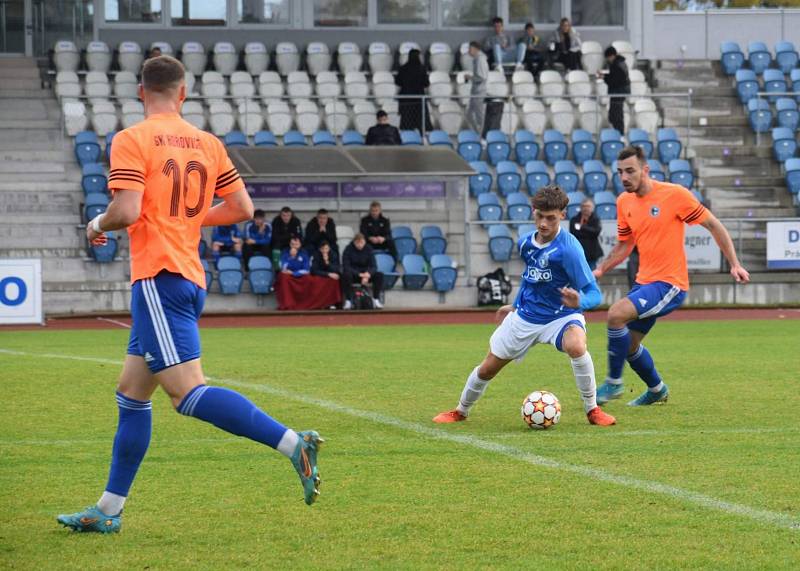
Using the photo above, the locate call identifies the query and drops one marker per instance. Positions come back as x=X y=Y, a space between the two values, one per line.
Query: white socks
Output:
x=288 y=443
x=583 y=369
x=656 y=388
x=473 y=390
x=110 y=504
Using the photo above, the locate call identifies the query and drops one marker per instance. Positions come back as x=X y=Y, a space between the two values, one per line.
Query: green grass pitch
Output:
x=710 y=480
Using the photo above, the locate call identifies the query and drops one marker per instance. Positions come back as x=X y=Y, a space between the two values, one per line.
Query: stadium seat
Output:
x=405 y=48
x=165 y=47
x=534 y=116
x=351 y=137
x=410 y=137
x=206 y=270
x=264 y=139
x=732 y=57
x=469 y=145
x=68 y=84
x=439 y=138
x=213 y=85
x=337 y=118
x=497 y=147
x=616 y=181
x=363 y=116
x=481 y=182
x=592 y=57
x=193 y=112
x=87 y=147
x=130 y=57
x=126 y=86
x=525 y=146
x=595 y=178
x=579 y=85
x=318 y=58
x=307 y=117
x=287 y=58
x=260 y=274
x=356 y=87
x=496 y=85
x=555 y=146
x=680 y=172
x=786 y=56
x=518 y=207
x=386 y=265
x=792 y=167
x=66 y=56
x=583 y=146
x=348 y=57
x=638 y=83
x=193 y=57
x=562 y=116
x=109 y=140
x=536 y=176
x=256 y=58
x=647 y=116
x=625 y=49
x=229 y=275
x=220 y=118
x=656 y=171
x=236 y=139
x=379 y=57
x=75 y=118
x=668 y=144
x=489 y=207
x=433 y=241
x=574 y=205
x=464 y=59
x=242 y=86
x=443 y=272
x=383 y=86
x=414 y=274
x=758 y=56
x=404 y=241
x=605 y=205
x=104 y=253
x=784 y=144
x=298 y=86
x=640 y=138
x=589 y=116
x=522 y=86
x=508 y=178
x=794 y=75
x=249 y=117
x=93 y=178
x=97 y=86
x=392 y=108
x=774 y=82
x=327 y=86
x=525 y=229
x=566 y=175
x=294 y=139
x=98 y=56
x=501 y=244
x=270 y=87
x=787 y=113
x=104 y=117
x=610 y=145
x=225 y=58
x=440 y=57
x=551 y=84
x=344 y=235
x=440 y=88
x=759 y=114
x=95 y=203
x=323 y=138
x=746 y=85
x=449 y=117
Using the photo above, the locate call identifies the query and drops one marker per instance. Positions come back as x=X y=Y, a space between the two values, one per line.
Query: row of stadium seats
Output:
x=758 y=57
x=748 y=85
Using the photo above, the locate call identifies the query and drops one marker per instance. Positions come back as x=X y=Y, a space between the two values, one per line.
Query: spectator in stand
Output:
x=154 y=52
x=360 y=268
x=257 y=237
x=295 y=261
x=226 y=240
x=478 y=78
x=413 y=81
x=301 y=285
x=500 y=46
x=616 y=77
x=383 y=133
x=320 y=229
x=284 y=226
x=534 y=50
x=325 y=263
x=377 y=229
x=585 y=226
x=565 y=47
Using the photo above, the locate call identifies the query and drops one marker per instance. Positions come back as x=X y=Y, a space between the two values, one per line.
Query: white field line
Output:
x=778 y=519
x=686 y=432
x=114 y=322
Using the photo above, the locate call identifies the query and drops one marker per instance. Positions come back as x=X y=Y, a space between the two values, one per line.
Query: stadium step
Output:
x=685 y=65
x=23 y=110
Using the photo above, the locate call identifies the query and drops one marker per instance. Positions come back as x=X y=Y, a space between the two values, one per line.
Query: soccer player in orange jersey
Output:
x=651 y=216
x=164 y=175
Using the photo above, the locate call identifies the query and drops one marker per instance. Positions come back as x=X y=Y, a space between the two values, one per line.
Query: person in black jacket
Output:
x=320 y=229
x=284 y=226
x=383 y=133
x=325 y=262
x=616 y=77
x=585 y=226
x=360 y=268
x=413 y=80
x=377 y=229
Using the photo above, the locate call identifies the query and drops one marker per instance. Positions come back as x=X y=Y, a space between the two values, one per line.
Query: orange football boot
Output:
x=448 y=417
x=600 y=418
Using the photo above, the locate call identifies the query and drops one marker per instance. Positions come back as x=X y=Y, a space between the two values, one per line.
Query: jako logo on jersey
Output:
x=537 y=275
x=654 y=211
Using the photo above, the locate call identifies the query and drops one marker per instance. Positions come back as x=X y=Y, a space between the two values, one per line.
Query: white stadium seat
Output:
x=406 y=47
x=193 y=112
x=380 y=57
x=496 y=84
x=440 y=57
x=298 y=86
x=392 y=109
x=194 y=57
x=132 y=113
x=364 y=116
x=327 y=86
x=534 y=117
x=441 y=89
x=592 y=57
x=225 y=58
x=355 y=86
x=190 y=81
x=344 y=235
x=97 y=86
x=463 y=87
x=464 y=59
x=242 y=87
x=250 y=119
x=279 y=118
x=450 y=117
x=130 y=57
x=98 y=56
x=270 y=86
x=256 y=57
x=68 y=84
x=562 y=116
x=337 y=119
x=166 y=48
x=75 y=118
x=522 y=86
x=625 y=49
x=213 y=85
x=318 y=57
x=646 y=113
x=66 y=56
x=551 y=84
x=590 y=117
x=578 y=84
x=220 y=118
x=348 y=57
x=383 y=86
x=104 y=118
x=638 y=83
x=126 y=86
x=307 y=117
x=287 y=58
x=509 y=122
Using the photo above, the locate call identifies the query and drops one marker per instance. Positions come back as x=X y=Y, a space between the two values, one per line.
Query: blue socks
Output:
x=642 y=363
x=232 y=412
x=619 y=342
x=130 y=443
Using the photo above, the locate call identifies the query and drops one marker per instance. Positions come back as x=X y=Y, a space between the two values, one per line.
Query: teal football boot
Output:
x=92 y=520
x=609 y=391
x=649 y=397
x=304 y=461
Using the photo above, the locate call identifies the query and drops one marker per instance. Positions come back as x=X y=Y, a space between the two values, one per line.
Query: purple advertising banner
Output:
x=292 y=189
x=412 y=189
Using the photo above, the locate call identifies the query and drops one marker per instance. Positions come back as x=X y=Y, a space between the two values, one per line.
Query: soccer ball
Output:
x=541 y=409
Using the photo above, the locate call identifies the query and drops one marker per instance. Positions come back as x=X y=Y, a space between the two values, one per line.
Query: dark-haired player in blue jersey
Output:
x=557 y=286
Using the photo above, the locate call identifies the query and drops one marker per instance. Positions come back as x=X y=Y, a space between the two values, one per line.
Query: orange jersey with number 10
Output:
x=178 y=168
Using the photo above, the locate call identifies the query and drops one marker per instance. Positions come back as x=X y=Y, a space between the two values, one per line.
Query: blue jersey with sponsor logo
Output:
x=550 y=267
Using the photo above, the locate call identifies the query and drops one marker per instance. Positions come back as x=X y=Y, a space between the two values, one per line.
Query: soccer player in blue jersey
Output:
x=557 y=286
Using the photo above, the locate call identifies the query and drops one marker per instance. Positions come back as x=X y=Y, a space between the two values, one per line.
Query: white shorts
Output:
x=515 y=335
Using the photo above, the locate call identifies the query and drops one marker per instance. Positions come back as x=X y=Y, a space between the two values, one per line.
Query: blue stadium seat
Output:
x=501 y=244
x=792 y=167
x=595 y=178
x=566 y=176
x=96 y=203
x=680 y=172
x=732 y=57
x=229 y=275
x=265 y=139
x=786 y=56
x=109 y=141
x=555 y=146
x=408 y=137
x=758 y=56
x=525 y=147
x=759 y=114
x=469 y=145
x=610 y=145
x=414 y=274
x=746 y=84
x=787 y=114
x=536 y=176
x=202 y=248
x=583 y=146
x=433 y=241
x=386 y=265
x=774 y=82
x=574 y=206
x=497 y=147
x=519 y=207
x=87 y=147
x=105 y=253
x=352 y=137
x=93 y=178
x=525 y=229
x=260 y=274
x=784 y=144
x=605 y=205
x=508 y=178
x=489 y=207
x=439 y=137
x=443 y=273
x=616 y=181
x=641 y=138
x=209 y=275
x=323 y=138
x=669 y=146
x=235 y=139
x=481 y=182
x=656 y=171
x=795 y=77
x=294 y=139
x=404 y=241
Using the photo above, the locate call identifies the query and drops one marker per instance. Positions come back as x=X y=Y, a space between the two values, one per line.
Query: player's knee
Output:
x=487 y=372
x=574 y=345
x=634 y=346
x=617 y=316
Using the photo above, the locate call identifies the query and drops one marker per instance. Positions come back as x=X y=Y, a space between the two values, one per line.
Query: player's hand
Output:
x=741 y=275
x=501 y=313
x=95 y=238
x=597 y=273
x=333 y=276
x=570 y=297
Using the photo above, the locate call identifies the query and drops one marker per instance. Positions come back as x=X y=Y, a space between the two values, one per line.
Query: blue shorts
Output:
x=165 y=310
x=652 y=301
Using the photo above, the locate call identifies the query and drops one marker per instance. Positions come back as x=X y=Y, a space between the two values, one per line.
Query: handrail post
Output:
x=688 y=124
x=758 y=131
x=467 y=234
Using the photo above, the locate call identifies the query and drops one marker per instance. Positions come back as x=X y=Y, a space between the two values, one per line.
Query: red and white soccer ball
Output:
x=541 y=409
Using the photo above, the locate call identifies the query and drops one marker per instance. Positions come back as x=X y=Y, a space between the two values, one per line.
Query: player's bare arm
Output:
x=619 y=253
x=123 y=211
x=235 y=207
x=723 y=240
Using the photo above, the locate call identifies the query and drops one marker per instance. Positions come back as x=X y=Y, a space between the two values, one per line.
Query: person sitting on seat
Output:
x=534 y=50
x=325 y=263
x=383 y=133
x=320 y=229
x=500 y=46
x=284 y=226
x=565 y=47
x=226 y=240
x=377 y=229
x=294 y=260
x=360 y=268
x=257 y=237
